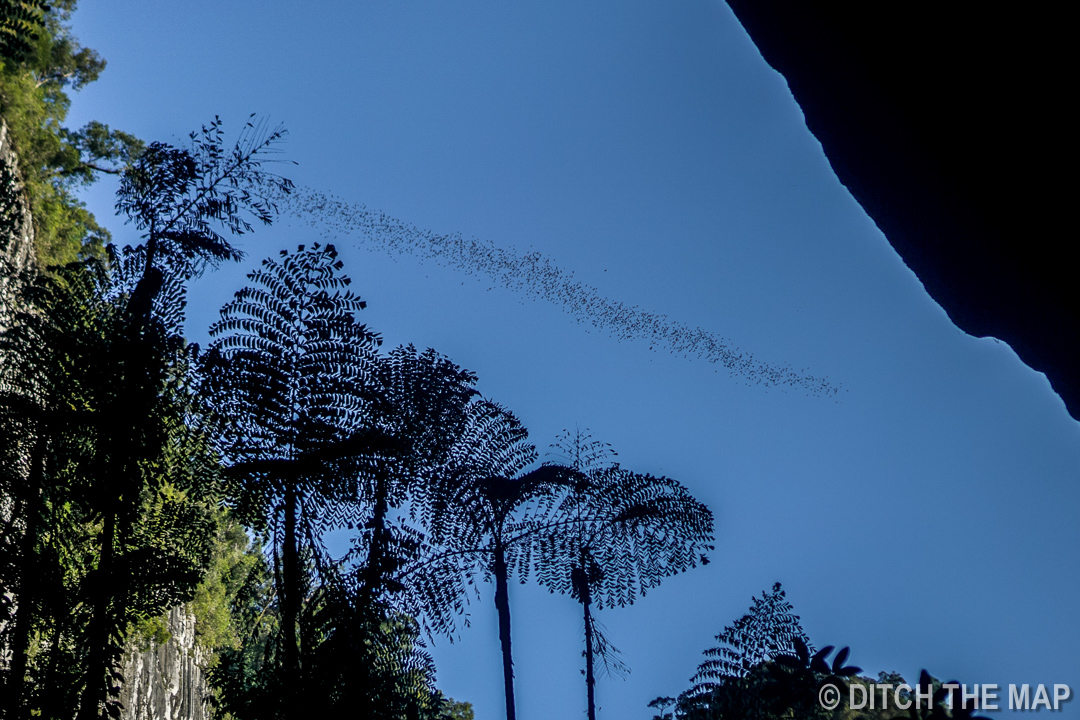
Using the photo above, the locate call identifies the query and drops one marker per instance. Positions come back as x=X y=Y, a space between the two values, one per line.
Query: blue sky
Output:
x=923 y=515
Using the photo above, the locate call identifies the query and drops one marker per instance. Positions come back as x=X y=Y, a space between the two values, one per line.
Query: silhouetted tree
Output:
x=483 y=520
x=182 y=199
x=420 y=399
x=764 y=668
x=631 y=532
x=360 y=660
x=366 y=659
x=323 y=433
x=179 y=199
x=769 y=630
x=728 y=683
x=289 y=373
x=46 y=356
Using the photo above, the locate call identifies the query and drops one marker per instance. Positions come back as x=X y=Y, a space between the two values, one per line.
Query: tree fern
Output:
x=483 y=514
x=289 y=372
x=621 y=534
x=769 y=630
x=420 y=399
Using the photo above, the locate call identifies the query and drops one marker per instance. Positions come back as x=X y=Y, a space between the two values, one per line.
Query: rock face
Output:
x=16 y=229
x=16 y=254
x=949 y=124
x=167 y=682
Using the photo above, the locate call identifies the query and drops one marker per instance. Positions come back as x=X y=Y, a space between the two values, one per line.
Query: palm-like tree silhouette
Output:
x=483 y=519
x=631 y=532
x=289 y=373
x=420 y=399
x=325 y=433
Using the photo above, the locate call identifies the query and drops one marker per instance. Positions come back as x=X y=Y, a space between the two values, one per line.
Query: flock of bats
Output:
x=533 y=275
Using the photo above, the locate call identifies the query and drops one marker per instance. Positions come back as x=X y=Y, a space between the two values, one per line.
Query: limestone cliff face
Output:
x=16 y=254
x=167 y=682
x=16 y=229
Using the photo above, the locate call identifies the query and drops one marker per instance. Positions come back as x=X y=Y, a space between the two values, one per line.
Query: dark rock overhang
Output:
x=946 y=121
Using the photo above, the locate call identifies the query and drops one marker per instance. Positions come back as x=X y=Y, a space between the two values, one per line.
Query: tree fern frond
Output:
x=769 y=630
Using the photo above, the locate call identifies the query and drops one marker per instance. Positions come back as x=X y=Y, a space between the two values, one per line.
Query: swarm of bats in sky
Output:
x=533 y=275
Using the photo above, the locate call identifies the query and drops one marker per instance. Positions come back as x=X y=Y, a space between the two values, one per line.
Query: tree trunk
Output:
x=502 y=604
x=590 y=677
x=375 y=573
x=290 y=600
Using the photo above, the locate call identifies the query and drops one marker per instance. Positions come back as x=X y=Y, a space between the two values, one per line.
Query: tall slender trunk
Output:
x=151 y=249
x=120 y=443
x=112 y=596
x=590 y=677
x=502 y=604
x=290 y=600
x=375 y=572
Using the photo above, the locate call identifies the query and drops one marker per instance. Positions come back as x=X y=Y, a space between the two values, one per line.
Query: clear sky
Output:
x=923 y=515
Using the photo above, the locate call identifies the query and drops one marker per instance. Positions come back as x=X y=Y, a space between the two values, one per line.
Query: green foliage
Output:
x=106 y=491
x=232 y=562
x=54 y=160
x=454 y=710
x=19 y=24
x=63 y=229
x=118 y=518
x=241 y=673
x=46 y=540
x=58 y=57
x=149 y=632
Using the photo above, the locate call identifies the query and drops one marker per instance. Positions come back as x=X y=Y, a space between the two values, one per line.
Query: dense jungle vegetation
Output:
x=140 y=473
